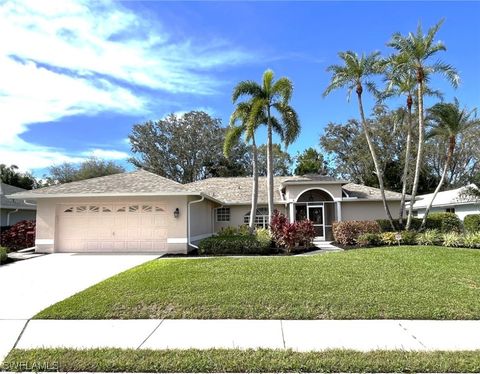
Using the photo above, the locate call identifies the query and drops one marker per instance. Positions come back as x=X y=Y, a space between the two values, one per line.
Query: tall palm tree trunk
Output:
x=421 y=140
x=269 y=167
x=374 y=157
x=451 y=148
x=407 y=161
x=253 y=211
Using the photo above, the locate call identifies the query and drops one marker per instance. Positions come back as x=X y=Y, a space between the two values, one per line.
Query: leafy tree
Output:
x=355 y=73
x=282 y=161
x=447 y=122
x=348 y=150
x=184 y=148
x=237 y=164
x=417 y=49
x=10 y=175
x=310 y=161
x=91 y=168
x=269 y=97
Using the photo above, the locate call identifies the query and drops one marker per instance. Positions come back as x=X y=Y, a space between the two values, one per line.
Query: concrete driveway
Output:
x=27 y=287
x=32 y=285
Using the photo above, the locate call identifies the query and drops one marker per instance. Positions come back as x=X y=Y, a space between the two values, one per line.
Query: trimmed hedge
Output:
x=3 y=255
x=348 y=232
x=385 y=224
x=235 y=245
x=444 y=222
x=471 y=222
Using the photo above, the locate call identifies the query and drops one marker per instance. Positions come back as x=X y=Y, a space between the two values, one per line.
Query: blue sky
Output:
x=76 y=75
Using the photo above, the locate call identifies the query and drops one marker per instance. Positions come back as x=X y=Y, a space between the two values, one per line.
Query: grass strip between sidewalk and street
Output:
x=236 y=360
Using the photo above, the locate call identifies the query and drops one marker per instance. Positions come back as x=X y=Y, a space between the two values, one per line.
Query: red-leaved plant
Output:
x=291 y=235
x=19 y=236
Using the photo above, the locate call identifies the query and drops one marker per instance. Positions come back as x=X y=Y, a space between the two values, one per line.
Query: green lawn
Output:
x=236 y=361
x=392 y=283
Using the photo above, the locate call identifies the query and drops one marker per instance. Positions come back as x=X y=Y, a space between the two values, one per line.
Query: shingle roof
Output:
x=139 y=181
x=6 y=203
x=370 y=193
x=237 y=190
x=232 y=190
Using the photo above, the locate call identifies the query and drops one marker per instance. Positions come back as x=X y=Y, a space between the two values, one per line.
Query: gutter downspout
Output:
x=189 y=223
x=27 y=203
x=8 y=215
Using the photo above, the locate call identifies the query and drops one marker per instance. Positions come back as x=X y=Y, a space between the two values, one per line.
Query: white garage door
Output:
x=111 y=227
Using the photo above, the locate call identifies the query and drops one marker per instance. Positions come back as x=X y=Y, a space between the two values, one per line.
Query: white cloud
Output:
x=107 y=153
x=66 y=58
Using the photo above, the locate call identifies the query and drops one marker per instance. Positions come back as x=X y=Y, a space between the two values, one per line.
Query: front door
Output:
x=315 y=214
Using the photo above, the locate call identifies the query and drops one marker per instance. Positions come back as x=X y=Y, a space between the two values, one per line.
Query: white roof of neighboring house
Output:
x=6 y=203
x=445 y=198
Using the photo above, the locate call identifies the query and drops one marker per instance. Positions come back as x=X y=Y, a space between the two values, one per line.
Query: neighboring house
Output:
x=143 y=212
x=14 y=210
x=454 y=201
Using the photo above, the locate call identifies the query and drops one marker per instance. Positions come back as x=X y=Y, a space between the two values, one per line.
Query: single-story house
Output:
x=454 y=201
x=144 y=212
x=14 y=210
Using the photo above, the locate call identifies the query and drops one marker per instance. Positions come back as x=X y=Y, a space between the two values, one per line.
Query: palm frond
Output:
x=283 y=88
x=246 y=88
x=232 y=138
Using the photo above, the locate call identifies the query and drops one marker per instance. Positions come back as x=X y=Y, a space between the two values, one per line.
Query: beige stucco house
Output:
x=143 y=212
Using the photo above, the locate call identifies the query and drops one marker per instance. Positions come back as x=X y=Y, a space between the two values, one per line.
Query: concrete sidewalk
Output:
x=301 y=335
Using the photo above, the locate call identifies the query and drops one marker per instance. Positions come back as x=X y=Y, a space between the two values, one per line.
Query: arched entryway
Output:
x=318 y=206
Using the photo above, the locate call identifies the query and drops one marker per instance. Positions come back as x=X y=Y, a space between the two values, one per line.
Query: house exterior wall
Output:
x=292 y=192
x=237 y=212
x=15 y=217
x=46 y=234
x=460 y=210
x=201 y=219
x=367 y=210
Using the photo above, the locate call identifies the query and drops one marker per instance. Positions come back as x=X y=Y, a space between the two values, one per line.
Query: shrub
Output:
x=452 y=239
x=263 y=235
x=429 y=237
x=347 y=232
x=277 y=224
x=291 y=235
x=472 y=223
x=19 y=236
x=409 y=237
x=234 y=231
x=444 y=222
x=369 y=239
x=385 y=224
x=3 y=255
x=235 y=245
x=306 y=232
x=472 y=240
x=389 y=238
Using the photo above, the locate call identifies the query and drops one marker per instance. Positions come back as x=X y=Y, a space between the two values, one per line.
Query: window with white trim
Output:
x=223 y=214
x=261 y=218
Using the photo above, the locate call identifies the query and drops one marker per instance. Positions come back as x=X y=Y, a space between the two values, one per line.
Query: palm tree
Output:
x=447 y=122
x=234 y=133
x=268 y=98
x=417 y=50
x=401 y=81
x=355 y=73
